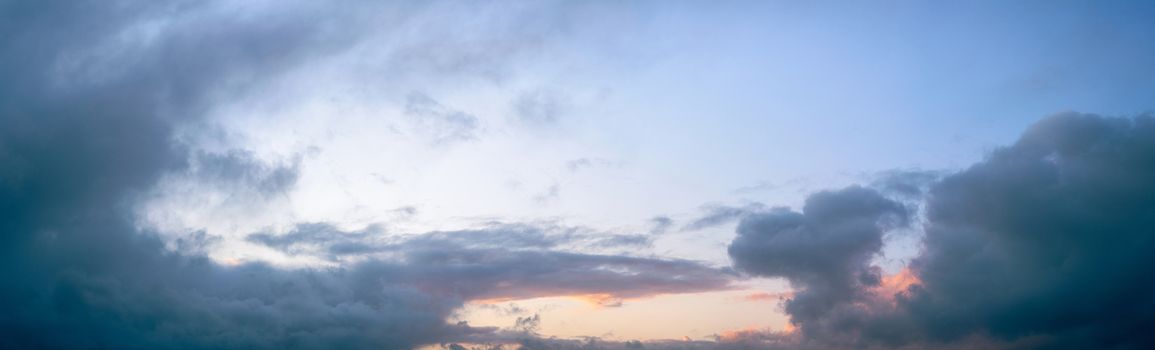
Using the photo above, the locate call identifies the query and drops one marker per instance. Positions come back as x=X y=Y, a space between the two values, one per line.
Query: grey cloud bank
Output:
x=81 y=136
x=1045 y=244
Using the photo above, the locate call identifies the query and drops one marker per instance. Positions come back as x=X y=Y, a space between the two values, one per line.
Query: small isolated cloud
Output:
x=551 y=194
x=540 y=107
x=442 y=124
x=718 y=215
x=576 y=165
x=660 y=225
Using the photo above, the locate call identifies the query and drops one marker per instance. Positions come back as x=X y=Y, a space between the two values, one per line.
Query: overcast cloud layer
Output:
x=105 y=109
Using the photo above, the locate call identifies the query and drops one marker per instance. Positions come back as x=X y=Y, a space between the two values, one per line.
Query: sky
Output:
x=481 y=175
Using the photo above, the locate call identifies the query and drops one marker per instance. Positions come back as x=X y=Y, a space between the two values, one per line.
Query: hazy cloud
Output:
x=508 y=261
x=441 y=123
x=540 y=107
x=579 y=164
x=717 y=215
x=660 y=225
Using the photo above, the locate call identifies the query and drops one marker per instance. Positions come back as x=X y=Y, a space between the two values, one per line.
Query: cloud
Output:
x=717 y=215
x=731 y=340
x=442 y=124
x=1044 y=244
x=579 y=164
x=540 y=107
x=507 y=262
x=550 y=195
x=906 y=183
x=660 y=225
x=1046 y=238
x=90 y=103
x=825 y=251
x=85 y=129
x=216 y=186
x=324 y=240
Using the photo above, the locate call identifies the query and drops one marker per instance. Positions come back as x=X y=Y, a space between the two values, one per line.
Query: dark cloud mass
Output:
x=83 y=131
x=90 y=100
x=1048 y=238
x=1045 y=244
x=825 y=250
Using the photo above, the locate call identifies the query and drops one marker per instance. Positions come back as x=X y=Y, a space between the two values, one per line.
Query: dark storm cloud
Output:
x=83 y=131
x=1055 y=231
x=1044 y=244
x=90 y=100
x=91 y=95
x=81 y=128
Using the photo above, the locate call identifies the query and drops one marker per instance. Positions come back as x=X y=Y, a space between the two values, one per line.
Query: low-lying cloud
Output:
x=1042 y=245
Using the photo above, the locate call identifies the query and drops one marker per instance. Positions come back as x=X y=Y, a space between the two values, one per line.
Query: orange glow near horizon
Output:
x=671 y=316
x=768 y=297
x=721 y=315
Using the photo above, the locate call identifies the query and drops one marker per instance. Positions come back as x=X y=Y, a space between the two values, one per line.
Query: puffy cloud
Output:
x=1044 y=244
x=1046 y=238
x=825 y=251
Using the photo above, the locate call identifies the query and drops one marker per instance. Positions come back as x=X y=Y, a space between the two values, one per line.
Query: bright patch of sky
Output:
x=606 y=116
